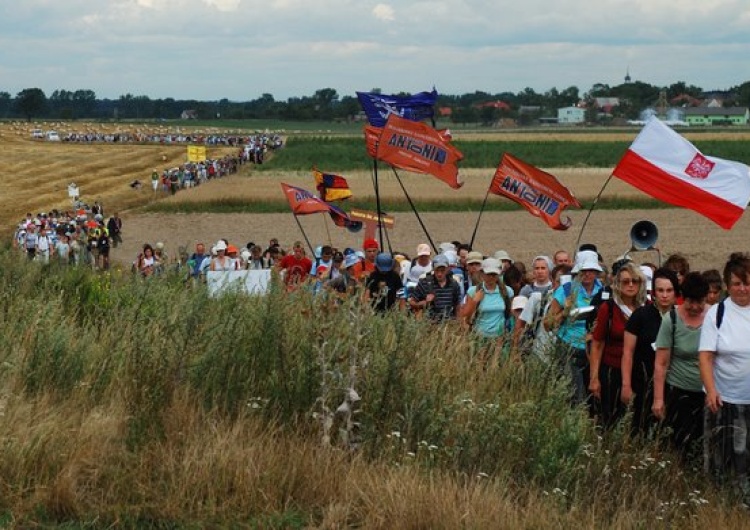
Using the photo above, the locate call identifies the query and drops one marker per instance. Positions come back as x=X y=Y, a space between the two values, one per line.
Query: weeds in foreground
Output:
x=143 y=403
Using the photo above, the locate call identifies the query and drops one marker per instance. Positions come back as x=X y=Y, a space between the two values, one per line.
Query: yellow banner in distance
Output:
x=196 y=153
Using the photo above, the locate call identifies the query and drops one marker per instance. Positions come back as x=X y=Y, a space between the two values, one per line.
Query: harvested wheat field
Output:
x=38 y=173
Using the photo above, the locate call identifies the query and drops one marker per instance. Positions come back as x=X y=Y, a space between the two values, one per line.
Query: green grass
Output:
x=348 y=153
x=494 y=204
x=148 y=403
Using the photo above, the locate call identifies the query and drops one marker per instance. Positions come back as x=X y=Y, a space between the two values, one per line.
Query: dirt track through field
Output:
x=523 y=236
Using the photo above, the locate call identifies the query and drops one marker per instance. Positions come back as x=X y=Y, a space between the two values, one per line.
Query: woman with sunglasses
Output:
x=628 y=294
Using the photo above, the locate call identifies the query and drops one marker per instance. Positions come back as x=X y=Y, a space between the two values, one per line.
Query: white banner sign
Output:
x=250 y=282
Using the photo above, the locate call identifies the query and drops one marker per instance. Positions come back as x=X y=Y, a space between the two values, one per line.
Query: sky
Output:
x=240 y=49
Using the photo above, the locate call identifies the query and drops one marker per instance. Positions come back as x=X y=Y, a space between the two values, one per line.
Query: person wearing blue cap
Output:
x=383 y=284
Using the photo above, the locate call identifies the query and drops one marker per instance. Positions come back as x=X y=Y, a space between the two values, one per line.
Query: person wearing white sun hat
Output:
x=571 y=332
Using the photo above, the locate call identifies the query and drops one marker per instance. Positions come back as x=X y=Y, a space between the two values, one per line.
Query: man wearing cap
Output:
x=295 y=267
x=420 y=265
x=571 y=331
x=437 y=293
x=504 y=258
x=367 y=265
x=383 y=284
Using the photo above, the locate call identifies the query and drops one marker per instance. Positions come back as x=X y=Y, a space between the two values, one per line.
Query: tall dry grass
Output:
x=139 y=403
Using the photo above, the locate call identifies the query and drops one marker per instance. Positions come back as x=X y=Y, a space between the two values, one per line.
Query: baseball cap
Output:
x=503 y=256
x=351 y=260
x=491 y=266
x=370 y=243
x=439 y=261
x=474 y=257
x=446 y=246
x=384 y=262
x=220 y=245
x=424 y=250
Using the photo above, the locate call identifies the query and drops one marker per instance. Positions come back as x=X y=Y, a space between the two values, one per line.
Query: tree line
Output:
x=327 y=105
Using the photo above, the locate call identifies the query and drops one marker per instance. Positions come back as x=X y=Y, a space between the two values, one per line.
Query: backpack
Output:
x=720 y=314
x=531 y=330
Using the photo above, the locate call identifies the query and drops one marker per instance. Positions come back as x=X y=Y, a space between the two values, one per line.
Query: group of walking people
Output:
x=661 y=347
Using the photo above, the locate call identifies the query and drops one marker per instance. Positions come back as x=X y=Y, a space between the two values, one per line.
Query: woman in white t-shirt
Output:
x=725 y=371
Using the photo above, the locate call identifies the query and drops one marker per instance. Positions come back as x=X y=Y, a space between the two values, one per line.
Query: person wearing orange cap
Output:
x=367 y=265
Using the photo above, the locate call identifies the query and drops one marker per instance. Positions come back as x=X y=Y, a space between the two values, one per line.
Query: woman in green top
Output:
x=681 y=400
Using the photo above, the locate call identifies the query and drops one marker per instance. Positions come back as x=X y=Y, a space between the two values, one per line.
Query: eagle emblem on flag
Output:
x=700 y=167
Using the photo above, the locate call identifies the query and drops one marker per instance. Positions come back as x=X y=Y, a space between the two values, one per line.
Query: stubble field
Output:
x=37 y=174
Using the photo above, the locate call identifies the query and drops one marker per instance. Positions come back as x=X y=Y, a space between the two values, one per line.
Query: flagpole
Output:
x=593 y=205
x=312 y=250
x=328 y=231
x=377 y=202
x=414 y=209
x=479 y=217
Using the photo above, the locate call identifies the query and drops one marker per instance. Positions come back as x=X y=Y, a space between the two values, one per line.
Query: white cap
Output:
x=647 y=271
x=444 y=247
x=424 y=250
x=503 y=256
x=491 y=266
x=220 y=245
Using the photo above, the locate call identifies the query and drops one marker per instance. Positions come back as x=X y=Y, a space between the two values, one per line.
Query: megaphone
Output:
x=643 y=235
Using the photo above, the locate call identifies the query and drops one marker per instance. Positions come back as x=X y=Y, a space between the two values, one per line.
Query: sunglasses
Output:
x=630 y=281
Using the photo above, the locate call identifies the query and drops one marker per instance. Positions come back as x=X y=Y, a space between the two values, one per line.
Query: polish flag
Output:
x=667 y=167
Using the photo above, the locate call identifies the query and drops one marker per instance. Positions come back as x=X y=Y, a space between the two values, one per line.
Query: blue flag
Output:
x=378 y=107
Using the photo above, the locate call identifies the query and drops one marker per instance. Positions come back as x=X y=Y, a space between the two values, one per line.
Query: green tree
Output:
x=84 y=103
x=31 y=102
x=6 y=103
x=743 y=94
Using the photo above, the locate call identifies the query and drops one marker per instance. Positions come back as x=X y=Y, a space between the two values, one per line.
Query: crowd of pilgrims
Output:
x=666 y=343
x=82 y=236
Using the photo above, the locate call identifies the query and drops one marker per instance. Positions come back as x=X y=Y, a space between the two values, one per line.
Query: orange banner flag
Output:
x=417 y=147
x=537 y=191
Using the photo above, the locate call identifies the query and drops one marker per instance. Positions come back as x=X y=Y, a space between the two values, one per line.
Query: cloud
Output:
x=209 y=49
x=223 y=5
x=384 y=12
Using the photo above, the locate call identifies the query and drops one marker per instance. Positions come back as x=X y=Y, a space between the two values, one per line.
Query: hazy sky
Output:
x=240 y=49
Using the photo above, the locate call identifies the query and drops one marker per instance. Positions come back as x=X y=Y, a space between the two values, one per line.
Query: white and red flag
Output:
x=667 y=167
